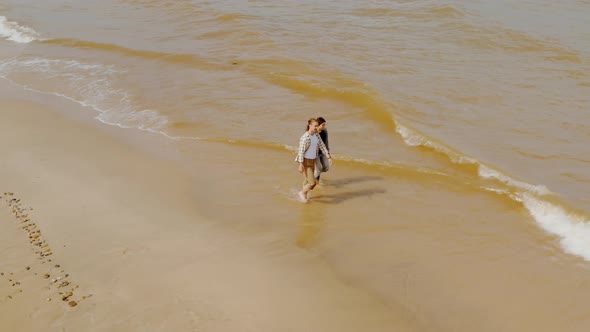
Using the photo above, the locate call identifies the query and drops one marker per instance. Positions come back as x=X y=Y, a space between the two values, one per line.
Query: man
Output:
x=322 y=163
x=309 y=145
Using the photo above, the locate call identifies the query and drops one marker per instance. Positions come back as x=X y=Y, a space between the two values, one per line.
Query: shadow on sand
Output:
x=341 y=197
x=343 y=182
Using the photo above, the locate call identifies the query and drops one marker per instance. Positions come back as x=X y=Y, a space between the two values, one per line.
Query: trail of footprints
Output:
x=58 y=281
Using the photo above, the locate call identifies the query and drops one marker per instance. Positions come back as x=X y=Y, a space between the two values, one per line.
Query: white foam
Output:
x=412 y=138
x=150 y=120
x=573 y=230
x=17 y=33
x=496 y=190
x=487 y=173
x=90 y=85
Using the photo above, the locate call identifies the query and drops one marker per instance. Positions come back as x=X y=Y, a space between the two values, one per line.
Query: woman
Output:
x=309 y=145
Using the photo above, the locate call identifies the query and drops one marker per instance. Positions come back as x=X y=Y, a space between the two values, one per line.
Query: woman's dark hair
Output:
x=321 y=120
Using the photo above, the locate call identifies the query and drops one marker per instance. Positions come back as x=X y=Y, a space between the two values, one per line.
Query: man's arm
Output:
x=324 y=136
x=324 y=149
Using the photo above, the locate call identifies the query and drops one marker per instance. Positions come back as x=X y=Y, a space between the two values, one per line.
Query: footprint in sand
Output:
x=58 y=281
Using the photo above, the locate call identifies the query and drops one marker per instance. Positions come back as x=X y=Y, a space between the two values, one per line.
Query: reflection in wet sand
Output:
x=312 y=220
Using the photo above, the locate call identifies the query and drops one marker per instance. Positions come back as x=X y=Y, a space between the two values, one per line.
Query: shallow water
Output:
x=456 y=115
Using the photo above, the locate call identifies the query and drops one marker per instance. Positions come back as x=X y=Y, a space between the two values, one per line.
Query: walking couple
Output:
x=313 y=155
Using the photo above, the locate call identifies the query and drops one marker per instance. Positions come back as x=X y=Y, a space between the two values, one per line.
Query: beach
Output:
x=148 y=181
x=136 y=253
x=124 y=229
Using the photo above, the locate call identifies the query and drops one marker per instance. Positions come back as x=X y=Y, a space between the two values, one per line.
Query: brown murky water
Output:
x=460 y=131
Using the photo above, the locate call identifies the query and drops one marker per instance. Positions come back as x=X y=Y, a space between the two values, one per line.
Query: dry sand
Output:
x=98 y=236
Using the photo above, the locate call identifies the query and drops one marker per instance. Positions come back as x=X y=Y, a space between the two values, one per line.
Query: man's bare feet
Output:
x=302 y=197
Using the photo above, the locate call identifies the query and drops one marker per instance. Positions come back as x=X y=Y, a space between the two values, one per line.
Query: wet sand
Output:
x=86 y=214
x=458 y=200
x=98 y=235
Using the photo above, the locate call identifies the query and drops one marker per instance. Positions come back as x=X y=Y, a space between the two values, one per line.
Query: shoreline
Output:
x=206 y=244
x=123 y=226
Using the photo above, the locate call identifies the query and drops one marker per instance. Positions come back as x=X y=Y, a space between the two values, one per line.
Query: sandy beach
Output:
x=92 y=240
x=148 y=182
x=98 y=235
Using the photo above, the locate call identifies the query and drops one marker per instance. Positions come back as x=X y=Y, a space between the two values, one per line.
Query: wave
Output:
x=384 y=167
x=498 y=38
x=572 y=228
x=90 y=85
x=99 y=93
x=175 y=58
x=554 y=217
x=488 y=172
x=425 y=12
x=413 y=138
x=359 y=97
x=551 y=215
x=442 y=11
x=348 y=91
x=230 y=17
x=15 y=32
